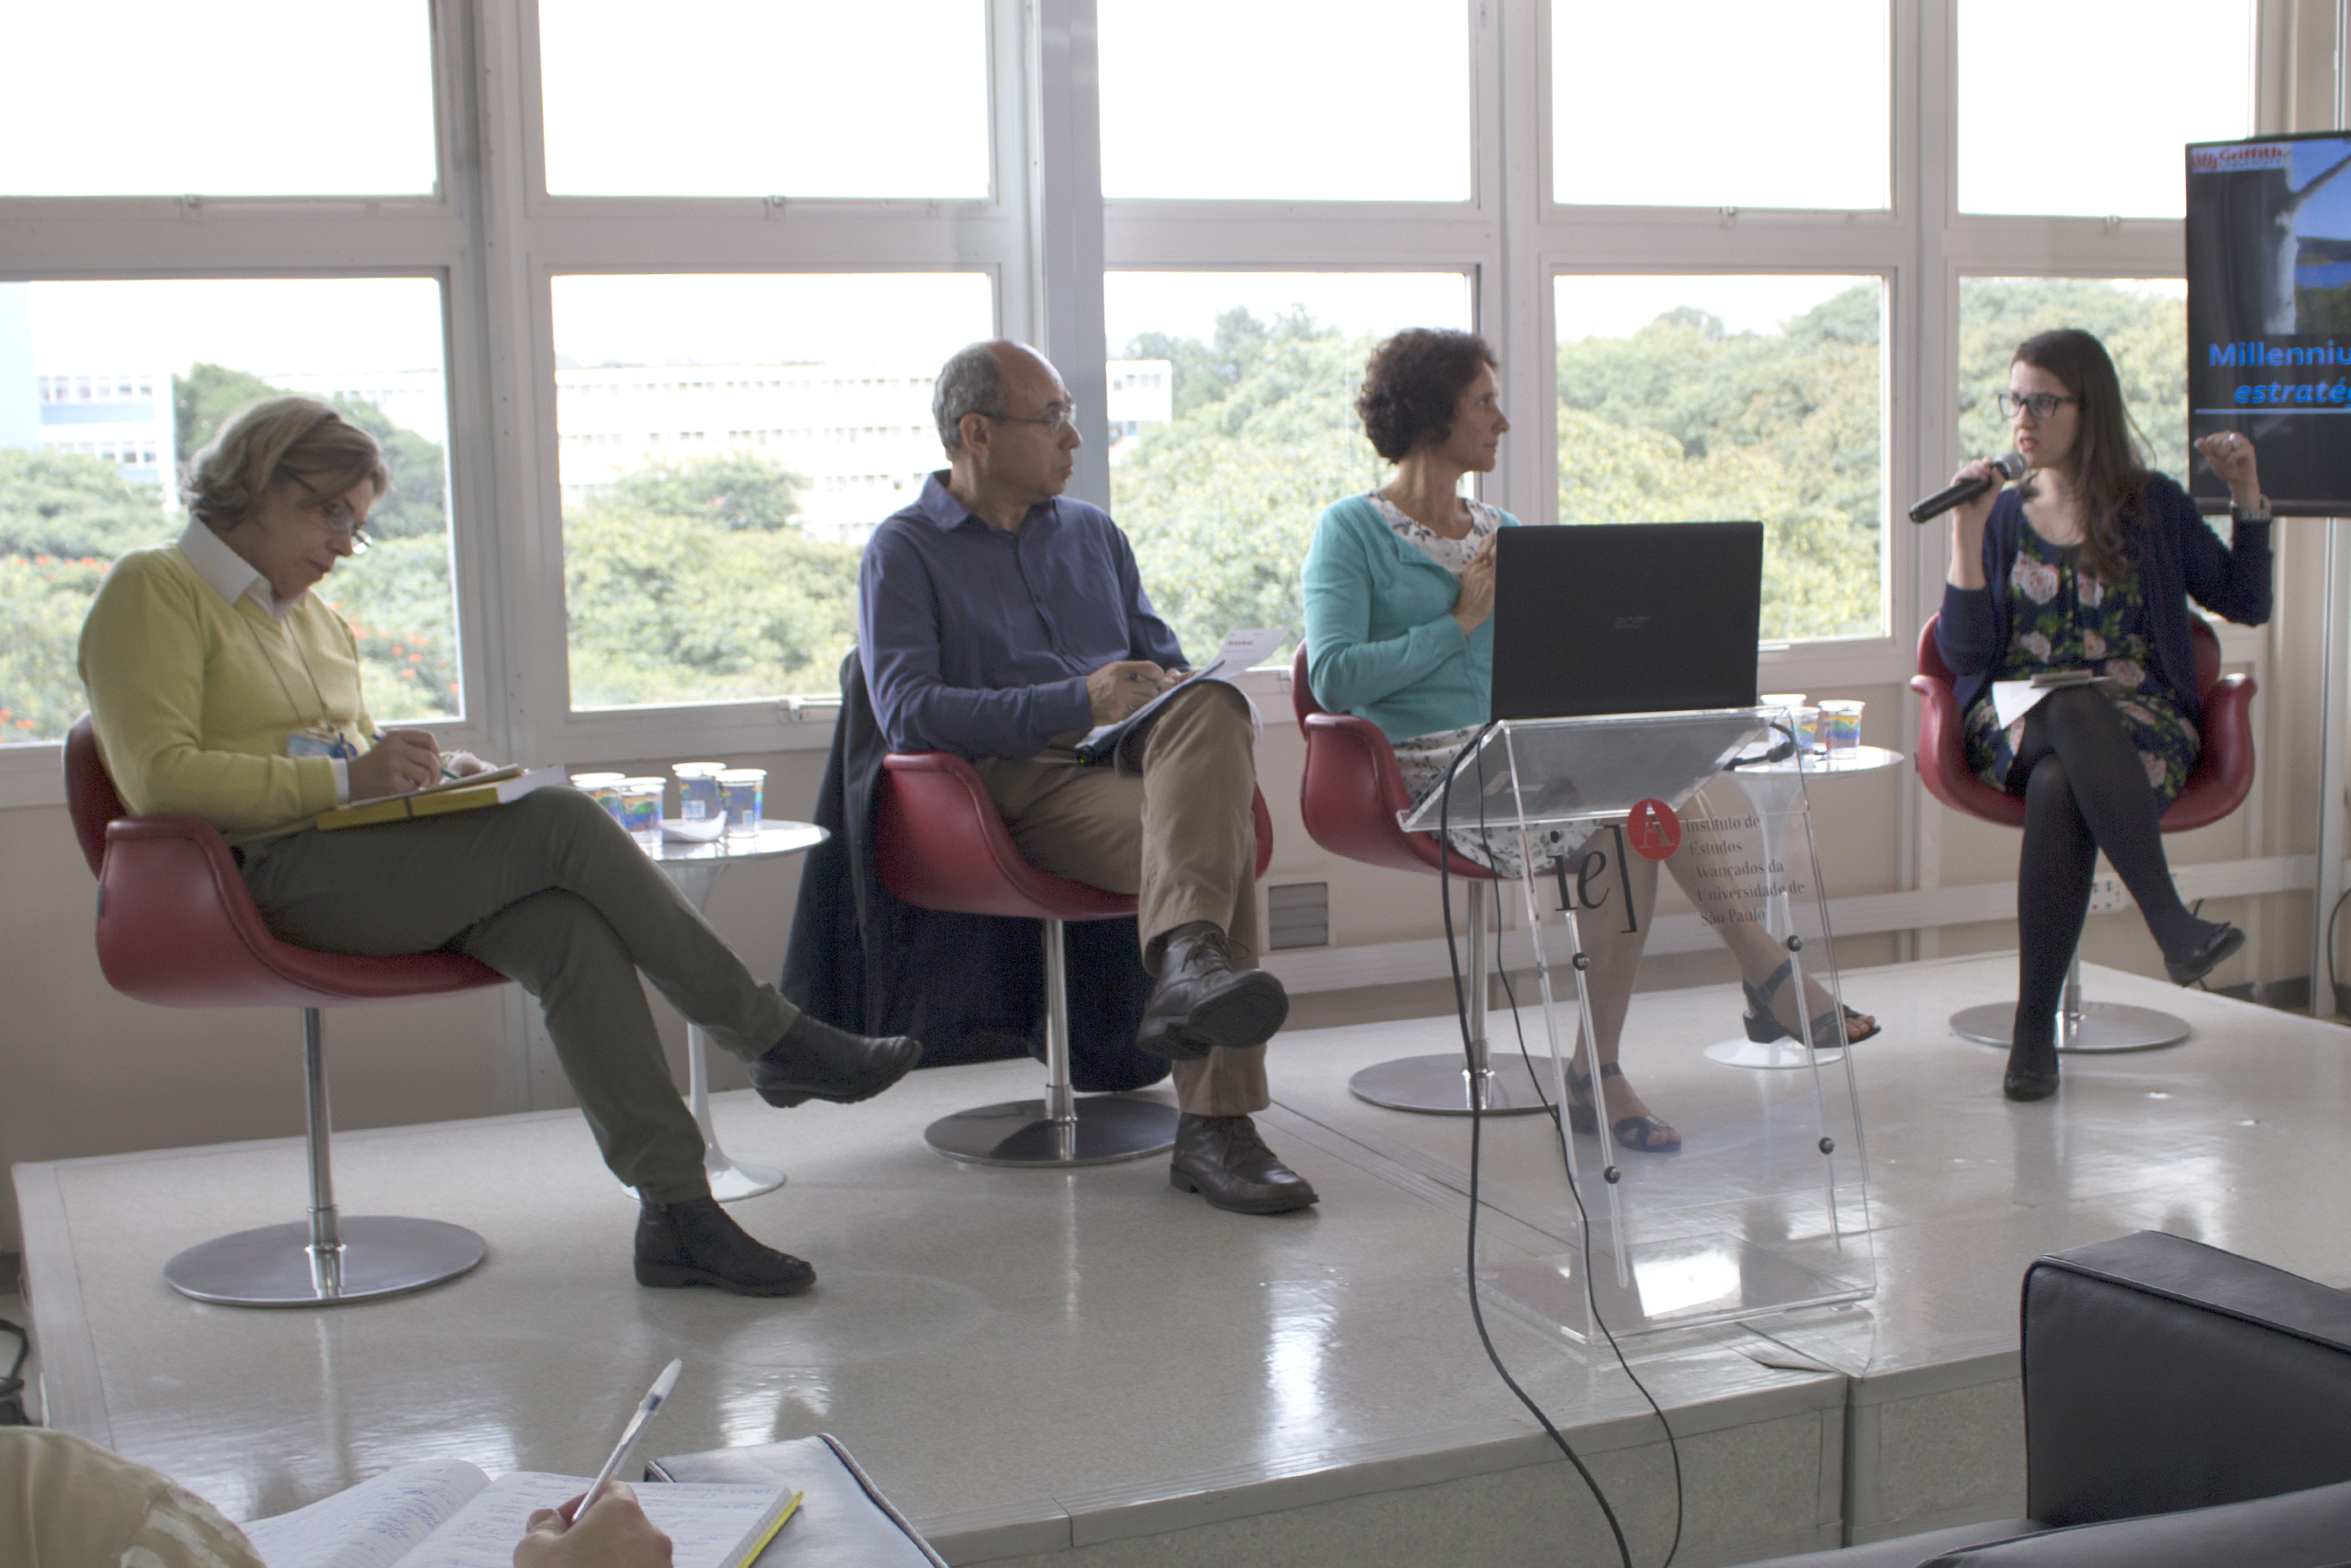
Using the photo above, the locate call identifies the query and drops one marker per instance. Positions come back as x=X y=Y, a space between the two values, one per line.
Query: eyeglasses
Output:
x=335 y=516
x=1060 y=417
x=2042 y=404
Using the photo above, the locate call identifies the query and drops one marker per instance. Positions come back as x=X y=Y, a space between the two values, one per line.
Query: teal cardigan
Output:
x=1381 y=640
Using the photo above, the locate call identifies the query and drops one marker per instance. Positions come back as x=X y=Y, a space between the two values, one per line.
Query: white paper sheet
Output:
x=373 y=1524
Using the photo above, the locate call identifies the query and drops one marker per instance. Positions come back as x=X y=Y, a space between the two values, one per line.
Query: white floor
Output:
x=1091 y=1368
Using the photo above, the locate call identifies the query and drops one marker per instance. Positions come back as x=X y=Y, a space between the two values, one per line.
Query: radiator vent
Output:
x=1297 y=915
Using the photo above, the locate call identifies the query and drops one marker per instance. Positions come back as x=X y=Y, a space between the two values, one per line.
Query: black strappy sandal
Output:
x=1647 y=1134
x=1763 y=1025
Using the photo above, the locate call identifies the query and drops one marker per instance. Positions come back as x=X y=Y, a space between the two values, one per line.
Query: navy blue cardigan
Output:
x=2179 y=558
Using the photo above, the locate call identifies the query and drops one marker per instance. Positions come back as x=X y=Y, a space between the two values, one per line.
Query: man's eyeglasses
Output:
x=1056 y=419
x=2042 y=404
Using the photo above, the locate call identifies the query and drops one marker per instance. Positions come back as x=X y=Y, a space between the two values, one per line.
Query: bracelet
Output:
x=2261 y=514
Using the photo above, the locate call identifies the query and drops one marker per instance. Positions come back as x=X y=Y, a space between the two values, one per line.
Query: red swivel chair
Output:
x=1351 y=794
x=177 y=927
x=940 y=844
x=2223 y=776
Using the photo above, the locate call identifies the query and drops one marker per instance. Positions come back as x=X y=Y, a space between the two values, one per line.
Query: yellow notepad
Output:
x=495 y=788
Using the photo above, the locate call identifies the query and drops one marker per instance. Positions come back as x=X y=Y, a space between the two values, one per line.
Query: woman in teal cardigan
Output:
x=1399 y=594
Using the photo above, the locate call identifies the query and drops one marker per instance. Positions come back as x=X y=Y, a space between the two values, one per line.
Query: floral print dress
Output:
x=1424 y=759
x=2061 y=617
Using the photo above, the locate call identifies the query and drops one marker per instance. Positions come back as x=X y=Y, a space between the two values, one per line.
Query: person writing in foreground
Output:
x=1399 y=592
x=221 y=687
x=66 y=1502
x=2090 y=564
x=1001 y=621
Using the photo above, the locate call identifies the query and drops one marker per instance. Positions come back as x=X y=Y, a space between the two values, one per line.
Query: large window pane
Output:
x=1258 y=434
x=262 y=98
x=2033 y=137
x=2144 y=322
x=1689 y=399
x=752 y=98
x=727 y=443
x=1242 y=100
x=107 y=388
x=1720 y=103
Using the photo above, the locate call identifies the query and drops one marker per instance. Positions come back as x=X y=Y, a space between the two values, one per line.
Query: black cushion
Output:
x=2311 y=1529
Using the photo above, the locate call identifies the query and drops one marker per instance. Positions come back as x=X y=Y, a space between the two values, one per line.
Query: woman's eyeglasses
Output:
x=336 y=517
x=2042 y=404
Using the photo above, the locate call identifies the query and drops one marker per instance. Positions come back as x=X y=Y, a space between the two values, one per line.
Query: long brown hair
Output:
x=2108 y=463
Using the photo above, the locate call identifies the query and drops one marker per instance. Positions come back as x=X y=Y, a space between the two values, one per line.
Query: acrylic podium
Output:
x=1764 y=1209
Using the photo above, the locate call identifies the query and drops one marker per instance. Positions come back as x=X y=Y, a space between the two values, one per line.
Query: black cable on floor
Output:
x=1477 y=1127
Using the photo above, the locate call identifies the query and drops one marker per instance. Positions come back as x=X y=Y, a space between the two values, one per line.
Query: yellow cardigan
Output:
x=193 y=698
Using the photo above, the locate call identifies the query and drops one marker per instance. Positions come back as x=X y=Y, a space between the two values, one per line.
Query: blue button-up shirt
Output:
x=979 y=641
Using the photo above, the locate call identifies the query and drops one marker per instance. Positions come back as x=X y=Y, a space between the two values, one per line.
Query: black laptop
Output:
x=1646 y=617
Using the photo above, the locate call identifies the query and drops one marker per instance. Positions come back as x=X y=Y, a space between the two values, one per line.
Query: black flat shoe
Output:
x=1763 y=1026
x=1202 y=1002
x=2220 y=945
x=699 y=1243
x=2031 y=1070
x=816 y=1061
x=1222 y=1158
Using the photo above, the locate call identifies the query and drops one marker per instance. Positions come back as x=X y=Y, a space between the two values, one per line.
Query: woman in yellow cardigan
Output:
x=222 y=688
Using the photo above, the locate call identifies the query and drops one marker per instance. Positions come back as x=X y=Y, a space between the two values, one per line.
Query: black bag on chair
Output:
x=970 y=987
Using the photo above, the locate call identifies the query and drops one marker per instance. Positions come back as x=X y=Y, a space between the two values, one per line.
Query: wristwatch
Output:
x=2259 y=514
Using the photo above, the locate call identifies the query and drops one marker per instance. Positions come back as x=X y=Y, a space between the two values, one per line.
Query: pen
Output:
x=630 y=1433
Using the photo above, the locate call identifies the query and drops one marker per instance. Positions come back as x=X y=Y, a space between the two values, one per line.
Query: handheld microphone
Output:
x=2011 y=466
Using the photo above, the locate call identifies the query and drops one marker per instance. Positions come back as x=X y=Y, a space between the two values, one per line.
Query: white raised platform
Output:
x=1092 y=1369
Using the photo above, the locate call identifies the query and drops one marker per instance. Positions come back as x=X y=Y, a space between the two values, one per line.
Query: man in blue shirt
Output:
x=1001 y=623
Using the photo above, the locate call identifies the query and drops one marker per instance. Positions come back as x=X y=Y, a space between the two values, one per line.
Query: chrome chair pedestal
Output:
x=1061 y=1130
x=1445 y=1084
x=2084 y=1028
x=329 y=1259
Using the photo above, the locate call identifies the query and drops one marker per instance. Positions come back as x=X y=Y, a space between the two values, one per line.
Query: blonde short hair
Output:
x=275 y=442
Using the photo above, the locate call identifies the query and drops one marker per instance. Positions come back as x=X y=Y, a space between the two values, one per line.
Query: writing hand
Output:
x=401 y=760
x=614 y=1533
x=1120 y=687
x=465 y=764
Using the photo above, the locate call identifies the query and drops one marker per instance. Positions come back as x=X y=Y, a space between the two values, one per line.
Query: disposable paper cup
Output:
x=698 y=789
x=1802 y=719
x=640 y=808
x=741 y=788
x=604 y=789
x=1840 y=727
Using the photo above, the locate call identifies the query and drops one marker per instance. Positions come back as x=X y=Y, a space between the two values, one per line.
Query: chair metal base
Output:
x=1439 y=1086
x=381 y=1255
x=2101 y=1027
x=1771 y=1056
x=1108 y=1128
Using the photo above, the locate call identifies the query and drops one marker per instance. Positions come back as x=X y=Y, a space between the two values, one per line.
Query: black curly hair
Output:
x=1411 y=384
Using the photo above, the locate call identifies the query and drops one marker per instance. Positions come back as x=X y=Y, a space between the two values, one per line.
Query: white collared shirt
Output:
x=233 y=577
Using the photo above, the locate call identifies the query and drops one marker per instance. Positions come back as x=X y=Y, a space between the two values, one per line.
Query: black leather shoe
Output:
x=2032 y=1070
x=699 y=1243
x=816 y=1061
x=1222 y=1158
x=2220 y=942
x=1202 y=1002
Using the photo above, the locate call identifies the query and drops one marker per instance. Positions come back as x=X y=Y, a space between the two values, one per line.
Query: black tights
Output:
x=2084 y=790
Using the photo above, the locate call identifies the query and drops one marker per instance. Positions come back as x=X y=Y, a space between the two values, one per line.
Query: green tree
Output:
x=1685 y=421
x=1221 y=501
x=684 y=582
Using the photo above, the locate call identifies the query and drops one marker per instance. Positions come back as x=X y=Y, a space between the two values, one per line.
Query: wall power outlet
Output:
x=2106 y=894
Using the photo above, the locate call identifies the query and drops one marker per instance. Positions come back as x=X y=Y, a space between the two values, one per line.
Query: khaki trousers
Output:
x=1181 y=837
x=550 y=892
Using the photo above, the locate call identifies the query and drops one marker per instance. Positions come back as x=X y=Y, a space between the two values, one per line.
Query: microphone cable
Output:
x=1477 y=1121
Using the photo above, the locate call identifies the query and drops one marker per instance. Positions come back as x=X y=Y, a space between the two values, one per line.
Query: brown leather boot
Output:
x=1202 y=1002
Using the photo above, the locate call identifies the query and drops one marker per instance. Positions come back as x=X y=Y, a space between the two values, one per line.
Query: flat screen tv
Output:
x=2269 y=314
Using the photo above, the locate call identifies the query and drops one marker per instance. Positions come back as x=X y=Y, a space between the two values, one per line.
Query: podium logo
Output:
x=1653 y=831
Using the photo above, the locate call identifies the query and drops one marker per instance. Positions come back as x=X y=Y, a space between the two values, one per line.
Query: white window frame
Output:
x=494 y=238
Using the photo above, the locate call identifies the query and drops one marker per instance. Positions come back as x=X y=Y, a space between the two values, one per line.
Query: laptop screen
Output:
x=1653 y=617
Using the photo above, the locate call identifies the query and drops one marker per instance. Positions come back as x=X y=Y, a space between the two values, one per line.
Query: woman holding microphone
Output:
x=2088 y=564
